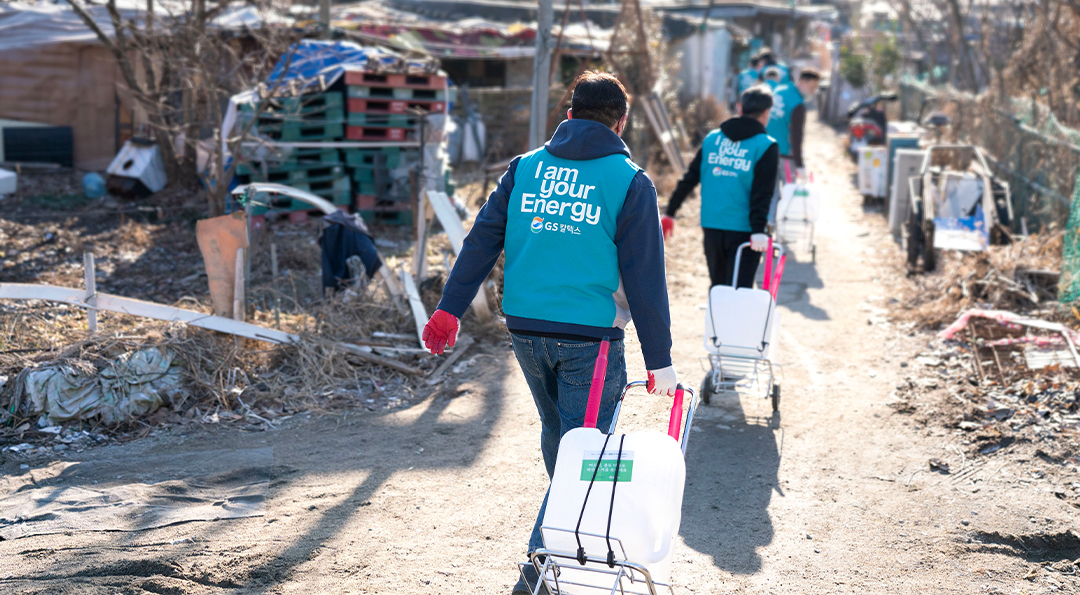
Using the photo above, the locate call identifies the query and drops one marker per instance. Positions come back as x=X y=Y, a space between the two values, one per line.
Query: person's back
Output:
x=579 y=224
x=749 y=77
x=786 y=98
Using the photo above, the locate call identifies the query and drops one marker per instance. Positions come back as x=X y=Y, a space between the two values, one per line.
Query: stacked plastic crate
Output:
x=307 y=118
x=387 y=108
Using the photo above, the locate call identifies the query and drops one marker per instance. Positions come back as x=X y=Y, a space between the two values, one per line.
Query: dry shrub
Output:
x=996 y=279
x=701 y=116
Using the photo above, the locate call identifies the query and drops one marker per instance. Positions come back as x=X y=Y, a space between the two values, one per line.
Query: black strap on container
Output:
x=611 y=508
x=599 y=460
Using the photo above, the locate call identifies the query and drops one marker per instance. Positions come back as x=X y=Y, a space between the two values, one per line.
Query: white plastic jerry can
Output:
x=644 y=515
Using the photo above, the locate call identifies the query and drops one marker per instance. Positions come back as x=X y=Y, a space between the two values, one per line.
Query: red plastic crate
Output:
x=394 y=106
x=367 y=202
x=375 y=133
x=410 y=81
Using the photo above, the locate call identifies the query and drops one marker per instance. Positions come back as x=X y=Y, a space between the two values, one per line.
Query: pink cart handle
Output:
x=787 y=171
x=676 y=414
x=592 y=410
x=779 y=275
x=767 y=281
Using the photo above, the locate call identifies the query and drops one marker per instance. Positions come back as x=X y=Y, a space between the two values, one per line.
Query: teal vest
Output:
x=785 y=99
x=747 y=78
x=727 y=173
x=561 y=261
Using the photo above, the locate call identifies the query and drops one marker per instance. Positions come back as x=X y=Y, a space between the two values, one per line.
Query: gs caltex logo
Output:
x=537 y=224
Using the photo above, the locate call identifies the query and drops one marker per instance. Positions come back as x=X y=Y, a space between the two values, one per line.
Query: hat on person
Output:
x=773 y=73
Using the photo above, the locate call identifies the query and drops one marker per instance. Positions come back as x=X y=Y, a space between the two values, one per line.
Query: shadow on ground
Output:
x=731 y=472
x=364 y=450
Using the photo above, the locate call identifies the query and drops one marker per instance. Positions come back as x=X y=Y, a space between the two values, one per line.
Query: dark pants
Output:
x=559 y=374
x=721 y=248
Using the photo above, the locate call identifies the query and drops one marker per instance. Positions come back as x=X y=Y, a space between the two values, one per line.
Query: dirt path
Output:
x=832 y=497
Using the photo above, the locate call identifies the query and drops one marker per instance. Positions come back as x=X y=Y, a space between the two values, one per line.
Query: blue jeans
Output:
x=559 y=373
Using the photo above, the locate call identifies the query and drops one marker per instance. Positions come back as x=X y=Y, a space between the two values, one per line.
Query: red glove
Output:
x=440 y=331
x=668 y=225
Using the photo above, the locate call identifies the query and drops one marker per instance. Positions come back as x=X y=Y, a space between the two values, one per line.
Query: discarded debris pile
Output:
x=1020 y=277
x=1002 y=379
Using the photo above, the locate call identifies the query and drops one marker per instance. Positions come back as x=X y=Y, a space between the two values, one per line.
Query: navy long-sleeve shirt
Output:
x=638 y=239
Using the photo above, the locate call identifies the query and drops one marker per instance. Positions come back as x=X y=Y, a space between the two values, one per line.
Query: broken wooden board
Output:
x=461 y=345
x=447 y=216
x=220 y=238
x=416 y=304
x=364 y=355
x=134 y=307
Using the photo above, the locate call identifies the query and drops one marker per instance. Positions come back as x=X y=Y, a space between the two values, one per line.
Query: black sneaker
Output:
x=527 y=583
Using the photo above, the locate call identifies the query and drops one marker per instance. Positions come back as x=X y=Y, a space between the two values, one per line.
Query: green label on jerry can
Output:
x=607 y=466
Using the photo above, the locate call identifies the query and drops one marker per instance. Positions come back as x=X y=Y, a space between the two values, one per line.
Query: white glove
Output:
x=759 y=242
x=663 y=381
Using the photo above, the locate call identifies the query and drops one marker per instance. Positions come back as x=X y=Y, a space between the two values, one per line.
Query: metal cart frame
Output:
x=628 y=578
x=735 y=372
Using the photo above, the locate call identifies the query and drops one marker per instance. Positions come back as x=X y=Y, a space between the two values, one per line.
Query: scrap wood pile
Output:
x=1002 y=378
x=148 y=372
x=357 y=347
x=1005 y=366
x=1019 y=277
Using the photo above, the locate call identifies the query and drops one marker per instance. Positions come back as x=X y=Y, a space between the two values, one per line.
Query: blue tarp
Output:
x=313 y=60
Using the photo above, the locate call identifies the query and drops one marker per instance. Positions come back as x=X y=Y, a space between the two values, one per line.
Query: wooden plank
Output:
x=463 y=343
x=134 y=307
x=360 y=354
x=455 y=230
x=238 y=287
x=91 y=291
x=419 y=313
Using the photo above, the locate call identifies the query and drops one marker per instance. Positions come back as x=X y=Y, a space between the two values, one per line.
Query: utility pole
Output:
x=541 y=73
x=324 y=19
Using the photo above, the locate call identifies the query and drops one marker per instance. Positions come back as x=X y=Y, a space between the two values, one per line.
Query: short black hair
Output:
x=766 y=54
x=754 y=61
x=756 y=100
x=772 y=71
x=809 y=74
x=600 y=97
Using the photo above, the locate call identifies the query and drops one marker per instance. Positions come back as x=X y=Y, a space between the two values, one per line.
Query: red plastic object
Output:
x=675 y=421
x=779 y=274
x=375 y=133
x=766 y=282
x=787 y=172
x=409 y=81
x=393 y=106
x=592 y=410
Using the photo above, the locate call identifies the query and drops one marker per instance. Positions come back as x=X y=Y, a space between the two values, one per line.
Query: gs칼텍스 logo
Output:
x=537 y=224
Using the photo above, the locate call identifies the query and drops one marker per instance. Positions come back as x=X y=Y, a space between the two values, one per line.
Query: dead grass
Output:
x=1000 y=278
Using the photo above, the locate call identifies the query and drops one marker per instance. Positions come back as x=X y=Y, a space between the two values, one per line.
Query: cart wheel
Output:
x=707 y=388
x=776 y=397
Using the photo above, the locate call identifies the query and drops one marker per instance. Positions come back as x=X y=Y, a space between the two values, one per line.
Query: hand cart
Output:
x=796 y=214
x=741 y=331
x=577 y=573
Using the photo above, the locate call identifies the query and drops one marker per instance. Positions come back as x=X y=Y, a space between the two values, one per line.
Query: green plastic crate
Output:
x=385 y=120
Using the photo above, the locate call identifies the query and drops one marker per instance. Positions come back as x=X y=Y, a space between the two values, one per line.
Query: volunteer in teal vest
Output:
x=579 y=224
x=751 y=76
x=767 y=58
x=787 y=124
x=736 y=167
